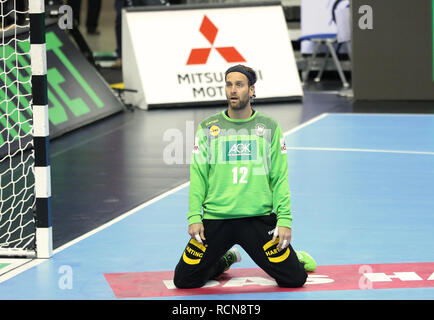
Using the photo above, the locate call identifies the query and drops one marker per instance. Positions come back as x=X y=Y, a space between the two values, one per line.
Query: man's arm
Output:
x=199 y=169
x=280 y=188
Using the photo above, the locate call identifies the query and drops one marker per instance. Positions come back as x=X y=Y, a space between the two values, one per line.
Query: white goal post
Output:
x=25 y=187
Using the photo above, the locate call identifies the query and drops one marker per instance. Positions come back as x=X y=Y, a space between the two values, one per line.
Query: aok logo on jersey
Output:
x=240 y=150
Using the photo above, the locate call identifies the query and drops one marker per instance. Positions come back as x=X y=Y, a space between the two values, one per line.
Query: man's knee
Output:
x=182 y=284
x=185 y=282
x=293 y=282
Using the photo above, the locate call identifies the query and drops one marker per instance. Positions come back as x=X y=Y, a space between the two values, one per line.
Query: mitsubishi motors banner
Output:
x=177 y=55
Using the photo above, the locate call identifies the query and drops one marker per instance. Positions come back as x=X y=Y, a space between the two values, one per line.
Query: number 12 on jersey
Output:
x=240 y=172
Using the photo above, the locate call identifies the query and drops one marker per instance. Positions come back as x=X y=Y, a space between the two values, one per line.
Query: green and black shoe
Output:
x=230 y=257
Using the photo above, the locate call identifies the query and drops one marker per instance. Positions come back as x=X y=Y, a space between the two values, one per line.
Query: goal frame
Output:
x=41 y=138
x=41 y=132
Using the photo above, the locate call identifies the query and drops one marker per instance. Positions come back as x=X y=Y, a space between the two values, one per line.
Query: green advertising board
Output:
x=77 y=94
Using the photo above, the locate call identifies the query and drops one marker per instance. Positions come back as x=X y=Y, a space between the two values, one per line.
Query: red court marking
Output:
x=325 y=278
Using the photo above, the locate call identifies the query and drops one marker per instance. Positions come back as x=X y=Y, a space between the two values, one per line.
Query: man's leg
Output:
x=93 y=12
x=283 y=266
x=202 y=262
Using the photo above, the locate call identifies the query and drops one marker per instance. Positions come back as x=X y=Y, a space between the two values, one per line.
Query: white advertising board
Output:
x=174 y=56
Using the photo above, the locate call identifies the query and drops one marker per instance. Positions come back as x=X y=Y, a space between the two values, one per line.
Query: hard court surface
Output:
x=361 y=187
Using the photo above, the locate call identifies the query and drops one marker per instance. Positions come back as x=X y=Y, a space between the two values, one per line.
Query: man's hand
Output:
x=196 y=231
x=284 y=234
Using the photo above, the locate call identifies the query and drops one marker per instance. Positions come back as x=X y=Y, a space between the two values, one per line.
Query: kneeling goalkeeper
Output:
x=239 y=179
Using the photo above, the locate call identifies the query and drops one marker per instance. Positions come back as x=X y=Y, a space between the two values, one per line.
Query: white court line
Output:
x=360 y=150
x=123 y=216
x=36 y=262
x=385 y=114
x=19 y=269
x=13 y=264
x=301 y=126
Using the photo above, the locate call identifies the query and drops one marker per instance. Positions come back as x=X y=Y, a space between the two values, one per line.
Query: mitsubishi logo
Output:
x=200 y=55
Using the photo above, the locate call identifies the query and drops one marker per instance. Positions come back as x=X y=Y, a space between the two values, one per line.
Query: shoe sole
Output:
x=237 y=254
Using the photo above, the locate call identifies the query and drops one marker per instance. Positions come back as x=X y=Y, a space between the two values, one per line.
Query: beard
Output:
x=239 y=104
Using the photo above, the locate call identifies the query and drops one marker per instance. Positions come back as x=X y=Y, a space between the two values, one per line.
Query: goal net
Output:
x=19 y=172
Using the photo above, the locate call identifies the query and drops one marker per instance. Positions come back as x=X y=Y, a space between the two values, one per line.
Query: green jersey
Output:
x=239 y=169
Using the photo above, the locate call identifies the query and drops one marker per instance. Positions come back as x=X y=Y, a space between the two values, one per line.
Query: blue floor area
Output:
x=349 y=207
x=369 y=131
